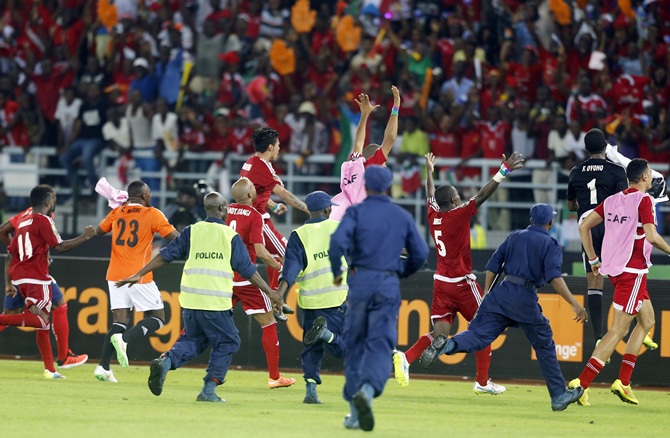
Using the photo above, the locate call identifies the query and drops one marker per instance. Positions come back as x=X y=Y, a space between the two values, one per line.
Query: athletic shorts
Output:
x=141 y=297
x=254 y=300
x=464 y=297
x=36 y=294
x=597 y=234
x=629 y=292
x=18 y=302
x=275 y=242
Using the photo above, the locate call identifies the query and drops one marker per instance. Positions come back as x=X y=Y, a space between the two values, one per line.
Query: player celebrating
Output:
x=590 y=183
x=351 y=183
x=259 y=170
x=27 y=266
x=248 y=222
x=60 y=325
x=455 y=286
x=133 y=226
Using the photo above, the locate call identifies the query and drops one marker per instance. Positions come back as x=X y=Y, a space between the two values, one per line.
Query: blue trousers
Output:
x=510 y=305
x=88 y=148
x=370 y=330
x=312 y=357
x=205 y=328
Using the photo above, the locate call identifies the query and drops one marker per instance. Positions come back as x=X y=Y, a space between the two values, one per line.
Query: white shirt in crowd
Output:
x=140 y=127
x=66 y=114
x=166 y=130
x=556 y=143
x=576 y=145
x=120 y=134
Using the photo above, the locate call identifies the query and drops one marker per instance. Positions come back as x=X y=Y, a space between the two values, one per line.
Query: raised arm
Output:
x=430 y=168
x=363 y=102
x=391 y=132
x=515 y=161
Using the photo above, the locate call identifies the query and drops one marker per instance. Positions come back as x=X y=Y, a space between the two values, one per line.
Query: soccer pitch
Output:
x=80 y=406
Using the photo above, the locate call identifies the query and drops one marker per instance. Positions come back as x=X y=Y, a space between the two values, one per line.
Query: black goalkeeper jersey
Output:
x=594 y=180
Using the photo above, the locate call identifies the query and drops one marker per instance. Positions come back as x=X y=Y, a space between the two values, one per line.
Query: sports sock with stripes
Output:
x=627 y=367
x=271 y=347
x=61 y=329
x=107 y=347
x=591 y=370
x=44 y=345
x=145 y=327
x=483 y=364
x=419 y=346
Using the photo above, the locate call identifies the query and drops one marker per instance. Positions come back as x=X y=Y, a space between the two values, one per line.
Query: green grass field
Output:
x=80 y=406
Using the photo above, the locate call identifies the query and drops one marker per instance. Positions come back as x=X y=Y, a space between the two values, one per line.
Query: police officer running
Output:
x=212 y=251
x=530 y=259
x=323 y=304
x=372 y=234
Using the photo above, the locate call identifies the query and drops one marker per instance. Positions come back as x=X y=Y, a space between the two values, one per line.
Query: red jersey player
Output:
x=259 y=170
x=27 y=267
x=454 y=287
x=248 y=222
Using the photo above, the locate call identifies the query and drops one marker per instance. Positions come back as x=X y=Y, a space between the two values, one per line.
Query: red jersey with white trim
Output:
x=248 y=223
x=264 y=177
x=377 y=159
x=34 y=235
x=15 y=220
x=451 y=233
x=646 y=215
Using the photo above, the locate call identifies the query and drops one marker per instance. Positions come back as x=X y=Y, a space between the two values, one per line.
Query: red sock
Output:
x=2 y=327
x=273 y=278
x=271 y=347
x=483 y=362
x=25 y=319
x=44 y=345
x=61 y=328
x=591 y=370
x=627 y=367
x=419 y=346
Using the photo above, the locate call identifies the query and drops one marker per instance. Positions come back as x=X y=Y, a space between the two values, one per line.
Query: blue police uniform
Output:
x=372 y=235
x=205 y=328
x=295 y=260
x=531 y=258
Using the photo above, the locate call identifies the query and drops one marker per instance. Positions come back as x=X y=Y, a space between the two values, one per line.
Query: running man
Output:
x=60 y=324
x=630 y=232
x=133 y=226
x=351 y=183
x=455 y=288
x=27 y=267
x=248 y=223
x=259 y=170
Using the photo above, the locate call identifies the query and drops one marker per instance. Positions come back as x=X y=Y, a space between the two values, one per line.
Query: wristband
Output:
x=504 y=170
x=498 y=177
x=594 y=261
x=276 y=208
x=394 y=111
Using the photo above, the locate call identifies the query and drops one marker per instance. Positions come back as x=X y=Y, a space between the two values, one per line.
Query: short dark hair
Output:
x=263 y=138
x=136 y=188
x=40 y=194
x=594 y=141
x=443 y=195
x=636 y=168
x=188 y=191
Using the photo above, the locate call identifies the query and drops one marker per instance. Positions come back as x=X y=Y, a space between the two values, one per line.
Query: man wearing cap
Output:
x=529 y=258
x=144 y=81
x=590 y=183
x=323 y=305
x=372 y=235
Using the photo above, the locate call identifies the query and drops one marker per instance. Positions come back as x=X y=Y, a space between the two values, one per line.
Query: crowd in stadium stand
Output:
x=477 y=77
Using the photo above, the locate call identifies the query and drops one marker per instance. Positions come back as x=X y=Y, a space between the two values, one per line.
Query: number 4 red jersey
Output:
x=35 y=234
x=451 y=233
x=248 y=223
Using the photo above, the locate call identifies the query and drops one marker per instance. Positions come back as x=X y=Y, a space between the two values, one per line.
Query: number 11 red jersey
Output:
x=35 y=234
x=451 y=233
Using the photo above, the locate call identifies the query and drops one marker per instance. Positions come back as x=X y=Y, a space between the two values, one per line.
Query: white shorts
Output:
x=141 y=297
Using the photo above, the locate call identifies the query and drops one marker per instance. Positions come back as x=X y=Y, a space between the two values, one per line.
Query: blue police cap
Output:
x=378 y=178
x=542 y=214
x=317 y=201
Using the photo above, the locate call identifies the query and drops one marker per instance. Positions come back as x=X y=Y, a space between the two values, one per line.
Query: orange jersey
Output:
x=133 y=227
